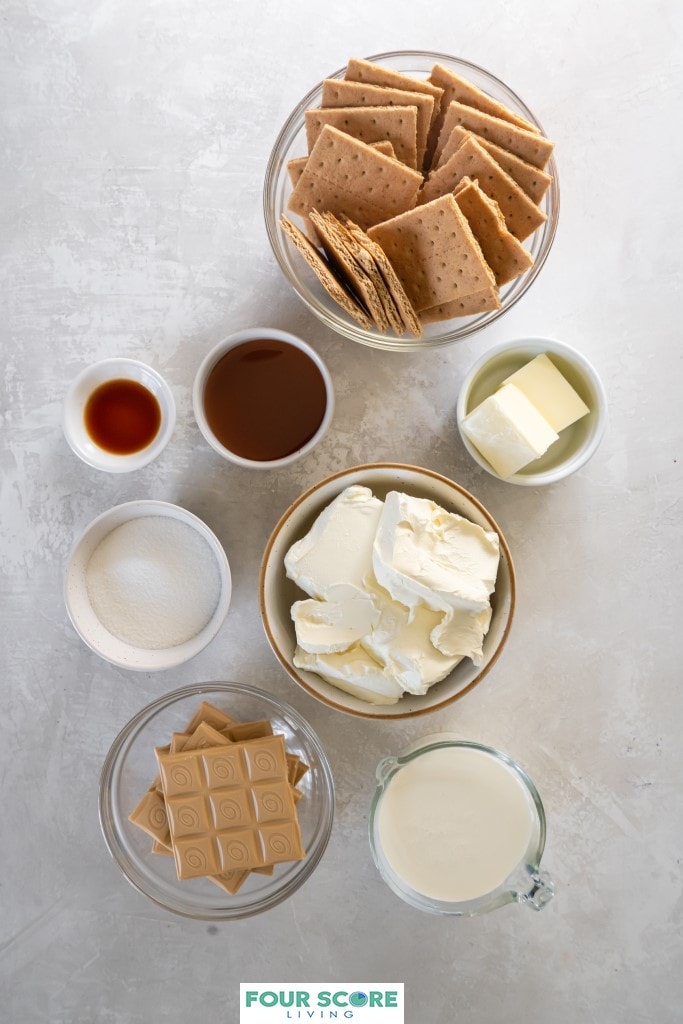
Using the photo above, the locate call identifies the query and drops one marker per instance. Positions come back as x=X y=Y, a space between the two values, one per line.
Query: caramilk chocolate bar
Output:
x=230 y=808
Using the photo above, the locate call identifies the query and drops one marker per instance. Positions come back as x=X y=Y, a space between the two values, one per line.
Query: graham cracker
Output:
x=332 y=286
x=385 y=146
x=522 y=216
x=528 y=146
x=295 y=167
x=396 y=289
x=351 y=273
x=363 y=258
x=361 y=94
x=457 y=88
x=469 y=305
x=506 y=256
x=358 y=70
x=344 y=175
x=369 y=124
x=434 y=253
x=530 y=179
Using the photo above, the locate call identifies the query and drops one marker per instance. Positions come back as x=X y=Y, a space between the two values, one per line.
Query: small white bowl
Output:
x=576 y=443
x=89 y=627
x=277 y=593
x=217 y=353
x=82 y=387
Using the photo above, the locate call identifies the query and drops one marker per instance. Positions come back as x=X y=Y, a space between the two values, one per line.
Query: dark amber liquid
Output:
x=122 y=417
x=264 y=399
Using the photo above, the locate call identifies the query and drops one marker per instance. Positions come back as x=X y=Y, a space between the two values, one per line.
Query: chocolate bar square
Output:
x=230 y=807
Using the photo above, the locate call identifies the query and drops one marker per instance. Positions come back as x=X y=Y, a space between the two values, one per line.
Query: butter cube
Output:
x=508 y=430
x=550 y=392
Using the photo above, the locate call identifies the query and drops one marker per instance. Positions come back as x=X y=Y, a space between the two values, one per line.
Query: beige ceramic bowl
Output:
x=277 y=593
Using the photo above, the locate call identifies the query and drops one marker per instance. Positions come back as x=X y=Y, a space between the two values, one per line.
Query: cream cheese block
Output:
x=338 y=547
x=400 y=640
x=462 y=635
x=326 y=627
x=423 y=553
x=353 y=671
x=508 y=430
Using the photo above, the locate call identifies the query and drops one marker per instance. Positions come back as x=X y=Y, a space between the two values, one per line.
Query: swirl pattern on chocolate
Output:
x=188 y=817
x=237 y=851
x=223 y=768
x=265 y=762
x=195 y=859
x=230 y=810
x=273 y=803
x=279 y=844
x=157 y=817
x=181 y=775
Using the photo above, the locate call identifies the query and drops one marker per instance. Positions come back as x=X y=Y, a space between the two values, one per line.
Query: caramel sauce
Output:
x=122 y=416
x=264 y=399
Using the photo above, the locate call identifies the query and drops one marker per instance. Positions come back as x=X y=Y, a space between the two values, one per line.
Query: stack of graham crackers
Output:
x=224 y=801
x=415 y=196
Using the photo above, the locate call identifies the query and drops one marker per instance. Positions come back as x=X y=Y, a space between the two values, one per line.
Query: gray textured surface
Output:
x=135 y=136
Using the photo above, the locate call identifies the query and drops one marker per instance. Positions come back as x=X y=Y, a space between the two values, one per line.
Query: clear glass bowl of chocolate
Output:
x=131 y=766
x=263 y=398
x=292 y=143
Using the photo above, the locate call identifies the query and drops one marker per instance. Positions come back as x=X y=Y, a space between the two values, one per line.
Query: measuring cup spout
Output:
x=385 y=768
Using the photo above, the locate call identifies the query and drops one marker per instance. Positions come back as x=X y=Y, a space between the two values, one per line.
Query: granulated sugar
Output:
x=153 y=582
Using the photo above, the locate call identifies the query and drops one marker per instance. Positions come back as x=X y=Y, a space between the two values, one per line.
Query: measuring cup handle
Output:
x=540 y=893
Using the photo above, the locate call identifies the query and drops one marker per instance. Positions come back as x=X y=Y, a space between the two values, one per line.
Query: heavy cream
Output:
x=454 y=823
x=400 y=593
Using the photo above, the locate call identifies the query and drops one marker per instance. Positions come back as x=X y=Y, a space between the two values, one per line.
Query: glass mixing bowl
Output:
x=291 y=142
x=131 y=765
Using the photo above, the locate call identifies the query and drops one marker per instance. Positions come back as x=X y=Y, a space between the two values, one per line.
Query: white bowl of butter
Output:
x=532 y=411
x=294 y=573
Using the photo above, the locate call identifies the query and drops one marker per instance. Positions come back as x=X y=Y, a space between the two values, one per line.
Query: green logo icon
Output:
x=358 y=999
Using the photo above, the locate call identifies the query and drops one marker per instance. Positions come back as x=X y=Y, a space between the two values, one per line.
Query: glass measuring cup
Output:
x=478 y=807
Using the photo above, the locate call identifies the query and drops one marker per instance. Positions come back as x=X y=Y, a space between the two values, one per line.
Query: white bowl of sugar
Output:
x=147 y=585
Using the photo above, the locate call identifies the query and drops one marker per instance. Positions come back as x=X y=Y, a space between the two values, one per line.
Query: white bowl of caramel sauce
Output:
x=119 y=414
x=263 y=398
